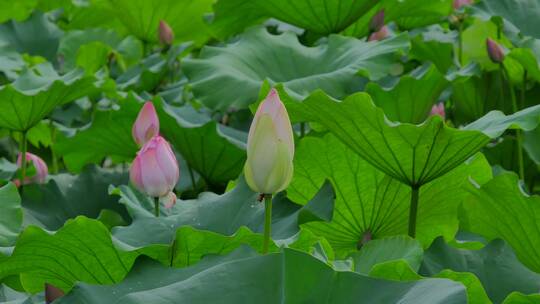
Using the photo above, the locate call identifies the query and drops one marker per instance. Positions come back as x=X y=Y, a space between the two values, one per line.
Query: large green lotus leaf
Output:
x=495 y=123
x=409 y=98
x=224 y=214
x=318 y=16
x=37 y=36
x=285 y=277
x=11 y=62
x=407 y=14
x=109 y=134
x=83 y=251
x=11 y=216
x=218 y=74
x=519 y=298
x=520 y=15
x=66 y=196
x=141 y=17
x=434 y=44
x=388 y=249
x=215 y=151
x=412 y=154
x=31 y=97
x=129 y=48
x=517 y=216
x=370 y=203
x=474 y=43
x=495 y=265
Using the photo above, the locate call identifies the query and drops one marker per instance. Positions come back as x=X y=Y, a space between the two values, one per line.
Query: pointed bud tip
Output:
x=377 y=21
x=166 y=34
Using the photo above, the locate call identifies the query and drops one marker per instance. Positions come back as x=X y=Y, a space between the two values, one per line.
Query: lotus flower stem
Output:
x=413 y=210
x=460 y=44
x=156 y=206
x=267 y=222
x=302 y=129
x=53 y=153
x=192 y=177
x=519 y=134
x=23 y=148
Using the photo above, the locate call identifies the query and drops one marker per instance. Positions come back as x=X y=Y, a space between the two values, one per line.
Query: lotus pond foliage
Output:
x=270 y=151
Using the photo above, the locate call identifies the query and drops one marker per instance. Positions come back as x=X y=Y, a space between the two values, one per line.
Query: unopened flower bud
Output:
x=459 y=3
x=377 y=21
x=379 y=35
x=495 y=51
x=166 y=34
x=146 y=125
x=155 y=169
x=41 y=169
x=438 y=109
x=270 y=147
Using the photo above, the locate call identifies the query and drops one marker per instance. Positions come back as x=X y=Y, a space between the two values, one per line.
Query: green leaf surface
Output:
x=18 y=10
x=218 y=74
x=475 y=291
x=37 y=92
x=435 y=45
x=517 y=216
x=141 y=18
x=412 y=154
x=519 y=298
x=370 y=202
x=520 y=15
x=388 y=249
x=288 y=276
x=11 y=216
x=495 y=265
x=66 y=196
x=409 y=98
x=495 y=123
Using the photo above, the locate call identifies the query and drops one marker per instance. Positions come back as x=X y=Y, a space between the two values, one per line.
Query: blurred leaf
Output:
x=516 y=213
x=495 y=123
x=11 y=216
x=495 y=265
x=17 y=10
x=288 y=276
x=409 y=98
x=231 y=76
x=520 y=15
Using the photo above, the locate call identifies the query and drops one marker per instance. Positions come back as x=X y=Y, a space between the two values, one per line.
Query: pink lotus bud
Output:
x=166 y=34
x=495 y=51
x=155 y=170
x=379 y=35
x=459 y=3
x=41 y=169
x=270 y=147
x=438 y=109
x=377 y=21
x=146 y=125
x=169 y=200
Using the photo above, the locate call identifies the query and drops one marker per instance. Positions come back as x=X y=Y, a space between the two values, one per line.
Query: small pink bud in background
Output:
x=270 y=147
x=155 y=170
x=495 y=51
x=377 y=21
x=379 y=35
x=41 y=169
x=438 y=109
x=459 y=3
x=146 y=125
x=166 y=34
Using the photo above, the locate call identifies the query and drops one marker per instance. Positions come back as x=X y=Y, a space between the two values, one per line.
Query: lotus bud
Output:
x=169 y=200
x=438 y=109
x=146 y=125
x=155 y=170
x=379 y=35
x=41 y=170
x=377 y=22
x=495 y=51
x=270 y=147
x=166 y=34
x=457 y=4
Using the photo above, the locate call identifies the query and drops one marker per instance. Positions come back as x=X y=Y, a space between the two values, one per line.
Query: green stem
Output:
x=23 y=147
x=523 y=89
x=302 y=129
x=413 y=210
x=267 y=222
x=156 y=206
x=519 y=135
